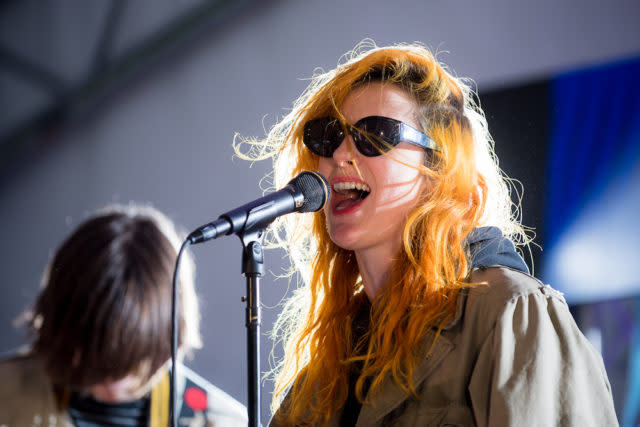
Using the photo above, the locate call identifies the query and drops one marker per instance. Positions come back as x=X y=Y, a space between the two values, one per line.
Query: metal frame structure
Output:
x=75 y=100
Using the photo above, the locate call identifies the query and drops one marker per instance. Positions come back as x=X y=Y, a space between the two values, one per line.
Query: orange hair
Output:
x=468 y=190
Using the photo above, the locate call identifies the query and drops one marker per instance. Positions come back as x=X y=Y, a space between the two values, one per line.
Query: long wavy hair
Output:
x=468 y=189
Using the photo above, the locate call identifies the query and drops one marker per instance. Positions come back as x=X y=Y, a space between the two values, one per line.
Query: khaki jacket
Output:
x=511 y=356
x=27 y=399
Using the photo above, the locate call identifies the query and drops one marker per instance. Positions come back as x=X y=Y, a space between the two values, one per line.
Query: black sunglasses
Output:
x=371 y=135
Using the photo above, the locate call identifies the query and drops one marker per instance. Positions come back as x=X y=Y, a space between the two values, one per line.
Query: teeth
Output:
x=346 y=186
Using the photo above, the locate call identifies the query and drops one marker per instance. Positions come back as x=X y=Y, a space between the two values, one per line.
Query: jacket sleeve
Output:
x=537 y=369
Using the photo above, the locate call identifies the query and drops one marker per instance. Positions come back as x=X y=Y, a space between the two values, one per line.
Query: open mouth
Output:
x=348 y=194
x=356 y=190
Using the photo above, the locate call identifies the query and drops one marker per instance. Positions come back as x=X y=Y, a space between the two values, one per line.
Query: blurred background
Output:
x=118 y=101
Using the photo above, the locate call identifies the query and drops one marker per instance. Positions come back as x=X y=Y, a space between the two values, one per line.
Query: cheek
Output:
x=324 y=166
x=398 y=185
x=392 y=173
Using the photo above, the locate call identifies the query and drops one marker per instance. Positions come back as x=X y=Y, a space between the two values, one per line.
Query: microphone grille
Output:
x=315 y=189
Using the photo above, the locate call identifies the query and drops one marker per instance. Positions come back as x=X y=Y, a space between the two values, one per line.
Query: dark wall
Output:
x=518 y=119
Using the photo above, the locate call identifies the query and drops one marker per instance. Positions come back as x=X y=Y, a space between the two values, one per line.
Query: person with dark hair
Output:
x=101 y=329
x=415 y=309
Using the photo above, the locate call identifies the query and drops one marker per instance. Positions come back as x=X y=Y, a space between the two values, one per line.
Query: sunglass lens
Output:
x=322 y=136
x=375 y=135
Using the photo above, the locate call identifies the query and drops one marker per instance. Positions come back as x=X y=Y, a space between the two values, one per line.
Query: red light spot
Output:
x=196 y=399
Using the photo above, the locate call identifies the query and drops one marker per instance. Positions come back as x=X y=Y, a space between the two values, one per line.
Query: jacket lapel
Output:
x=391 y=395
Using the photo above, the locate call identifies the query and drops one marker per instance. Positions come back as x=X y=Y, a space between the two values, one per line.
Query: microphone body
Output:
x=307 y=192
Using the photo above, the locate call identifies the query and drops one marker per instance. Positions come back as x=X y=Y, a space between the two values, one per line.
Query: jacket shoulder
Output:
x=26 y=392
x=495 y=289
x=21 y=373
x=529 y=345
x=499 y=285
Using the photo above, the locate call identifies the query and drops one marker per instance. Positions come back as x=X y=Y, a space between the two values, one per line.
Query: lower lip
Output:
x=346 y=211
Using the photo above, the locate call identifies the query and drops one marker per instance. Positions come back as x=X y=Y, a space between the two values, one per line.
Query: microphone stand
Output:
x=252 y=269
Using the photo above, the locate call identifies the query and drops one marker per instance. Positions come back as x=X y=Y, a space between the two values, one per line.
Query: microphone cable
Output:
x=173 y=395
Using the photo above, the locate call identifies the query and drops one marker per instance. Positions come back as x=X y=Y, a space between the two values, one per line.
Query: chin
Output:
x=346 y=241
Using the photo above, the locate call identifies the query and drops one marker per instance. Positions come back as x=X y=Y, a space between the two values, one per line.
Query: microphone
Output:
x=307 y=192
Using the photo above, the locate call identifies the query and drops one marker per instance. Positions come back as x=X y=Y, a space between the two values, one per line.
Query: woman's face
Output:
x=393 y=180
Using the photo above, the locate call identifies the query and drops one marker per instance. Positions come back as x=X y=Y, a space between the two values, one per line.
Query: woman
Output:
x=102 y=333
x=415 y=308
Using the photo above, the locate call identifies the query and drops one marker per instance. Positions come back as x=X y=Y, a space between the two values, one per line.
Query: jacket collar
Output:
x=461 y=300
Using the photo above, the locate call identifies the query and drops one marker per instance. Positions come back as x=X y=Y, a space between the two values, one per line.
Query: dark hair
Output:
x=105 y=310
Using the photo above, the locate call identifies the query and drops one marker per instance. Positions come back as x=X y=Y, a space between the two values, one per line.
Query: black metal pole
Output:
x=252 y=269
x=253 y=348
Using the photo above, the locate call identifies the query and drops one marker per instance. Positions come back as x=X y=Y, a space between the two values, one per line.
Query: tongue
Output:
x=347 y=203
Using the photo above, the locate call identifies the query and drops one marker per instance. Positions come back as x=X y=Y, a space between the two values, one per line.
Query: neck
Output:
x=375 y=267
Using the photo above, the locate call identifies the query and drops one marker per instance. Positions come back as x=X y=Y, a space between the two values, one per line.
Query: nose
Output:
x=345 y=151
